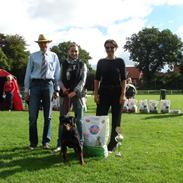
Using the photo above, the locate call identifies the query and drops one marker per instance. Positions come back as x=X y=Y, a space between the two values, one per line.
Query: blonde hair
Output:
x=9 y=77
x=73 y=44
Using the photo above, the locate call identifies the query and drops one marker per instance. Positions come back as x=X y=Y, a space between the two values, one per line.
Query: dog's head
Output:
x=68 y=123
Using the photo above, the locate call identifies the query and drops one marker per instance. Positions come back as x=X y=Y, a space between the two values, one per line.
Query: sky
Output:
x=88 y=22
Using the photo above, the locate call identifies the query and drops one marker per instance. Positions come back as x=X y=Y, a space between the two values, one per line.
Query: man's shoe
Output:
x=58 y=149
x=46 y=146
x=32 y=147
x=111 y=149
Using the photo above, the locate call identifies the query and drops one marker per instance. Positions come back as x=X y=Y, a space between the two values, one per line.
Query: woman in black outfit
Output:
x=109 y=87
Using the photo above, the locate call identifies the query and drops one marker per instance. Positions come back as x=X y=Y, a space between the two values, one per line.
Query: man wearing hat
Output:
x=41 y=85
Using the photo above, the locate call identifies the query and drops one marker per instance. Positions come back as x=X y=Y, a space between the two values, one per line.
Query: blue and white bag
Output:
x=96 y=134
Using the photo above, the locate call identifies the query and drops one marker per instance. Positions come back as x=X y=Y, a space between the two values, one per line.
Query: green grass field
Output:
x=152 y=151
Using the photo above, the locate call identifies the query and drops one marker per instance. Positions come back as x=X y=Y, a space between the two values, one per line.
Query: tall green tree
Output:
x=14 y=48
x=2 y=40
x=3 y=58
x=151 y=49
x=3 y=61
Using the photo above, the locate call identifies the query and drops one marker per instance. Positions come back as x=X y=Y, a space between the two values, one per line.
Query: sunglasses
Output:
x=109 y=47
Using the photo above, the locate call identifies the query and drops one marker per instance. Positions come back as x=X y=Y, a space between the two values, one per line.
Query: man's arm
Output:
x=96 y=87
x=123 y=91
x=27 y=79
x=57 y=74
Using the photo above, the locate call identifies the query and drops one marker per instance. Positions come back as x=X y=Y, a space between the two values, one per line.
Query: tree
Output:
x=61 y=50
x=3 y=60
x=90 y=80
x=2 y=40
x=152 y=49
x=169 y=80
x=14 y=48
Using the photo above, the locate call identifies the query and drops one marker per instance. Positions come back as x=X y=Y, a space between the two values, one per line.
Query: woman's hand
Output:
x=65 y=91
x=122 y=99
x=96 y=98
x=72 y=94
x=27 y=96
x=55 y=95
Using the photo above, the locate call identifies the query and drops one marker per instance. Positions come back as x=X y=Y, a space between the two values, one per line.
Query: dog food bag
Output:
x=125 y=106
x=132 y=103
x=153 y=106
x=143 y=108
x=165 y=106
x=96 y=134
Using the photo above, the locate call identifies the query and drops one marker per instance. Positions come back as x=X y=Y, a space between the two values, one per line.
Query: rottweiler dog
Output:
x=70 y=138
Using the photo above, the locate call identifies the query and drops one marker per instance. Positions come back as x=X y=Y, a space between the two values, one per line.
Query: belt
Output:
x=41 y=80
x=110 y=86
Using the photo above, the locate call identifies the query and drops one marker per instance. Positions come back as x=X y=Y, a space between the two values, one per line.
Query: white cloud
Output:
x=87 y=22
x=180 y=32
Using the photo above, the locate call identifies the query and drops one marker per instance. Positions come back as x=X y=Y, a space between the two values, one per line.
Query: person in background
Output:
x=41 y=85
x=73 y=79
x=109 y=88
x=8 y=90
x=130 y=89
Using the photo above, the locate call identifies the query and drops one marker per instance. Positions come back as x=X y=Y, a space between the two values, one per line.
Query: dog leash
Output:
x=66 y=104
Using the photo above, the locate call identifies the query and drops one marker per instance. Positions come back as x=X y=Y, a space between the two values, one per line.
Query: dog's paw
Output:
x=82 y=163
x=65 y=162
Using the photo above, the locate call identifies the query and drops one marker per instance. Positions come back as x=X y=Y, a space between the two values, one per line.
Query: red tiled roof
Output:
x=177 y=69
x=134 y=73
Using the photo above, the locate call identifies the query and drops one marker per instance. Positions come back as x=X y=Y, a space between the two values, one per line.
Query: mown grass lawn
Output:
x=152 y=151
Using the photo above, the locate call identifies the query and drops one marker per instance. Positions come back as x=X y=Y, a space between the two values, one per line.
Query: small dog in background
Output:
x=70 y=138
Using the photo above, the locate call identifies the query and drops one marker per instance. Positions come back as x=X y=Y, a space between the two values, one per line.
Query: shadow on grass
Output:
x=21 y=159
x=163 y=116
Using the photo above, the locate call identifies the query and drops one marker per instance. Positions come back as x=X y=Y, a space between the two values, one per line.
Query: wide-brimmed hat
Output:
x=43 y=39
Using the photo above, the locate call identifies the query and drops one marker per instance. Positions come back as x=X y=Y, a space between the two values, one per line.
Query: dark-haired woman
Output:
x=109 y=88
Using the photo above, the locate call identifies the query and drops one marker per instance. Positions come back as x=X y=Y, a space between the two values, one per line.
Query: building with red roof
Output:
x=135 y=75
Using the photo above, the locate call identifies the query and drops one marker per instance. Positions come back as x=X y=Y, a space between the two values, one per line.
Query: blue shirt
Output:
x=33 y=70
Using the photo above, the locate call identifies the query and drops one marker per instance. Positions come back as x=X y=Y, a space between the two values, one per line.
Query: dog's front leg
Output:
x=81 y=159
x=64 y=154
x=80 y=153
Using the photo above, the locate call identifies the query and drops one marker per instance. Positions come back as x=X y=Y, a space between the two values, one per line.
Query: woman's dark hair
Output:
x=113 y=42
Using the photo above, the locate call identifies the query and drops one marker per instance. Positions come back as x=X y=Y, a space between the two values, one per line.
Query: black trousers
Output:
x=9 y=100
x=110 y=98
